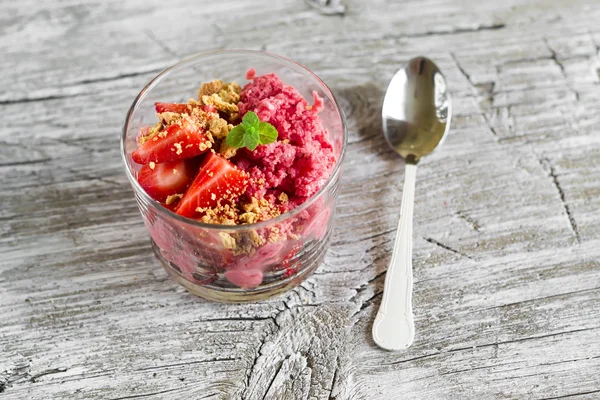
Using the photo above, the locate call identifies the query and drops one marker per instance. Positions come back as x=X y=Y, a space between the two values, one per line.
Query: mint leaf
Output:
x=235 y=137
x=267 y=133
x=251 y=140
x=250 y=119
x=251 y=132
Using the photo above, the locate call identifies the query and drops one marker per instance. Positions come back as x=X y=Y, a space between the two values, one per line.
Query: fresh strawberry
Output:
x=217 y=179
x=171 y=107
x=176 y=142
x=162 y=180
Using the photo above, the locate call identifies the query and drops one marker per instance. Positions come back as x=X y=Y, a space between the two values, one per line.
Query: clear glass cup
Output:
x=244 y=262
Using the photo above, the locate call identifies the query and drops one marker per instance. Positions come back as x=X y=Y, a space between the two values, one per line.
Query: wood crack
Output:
x=362 y=287
x=535 y=299
x=446 y=247
x=475 y=94
x=27 y=162
x=559 y=362
x=41 y=98
x=116 y=77
x=82 y=82
x=277 y=370
x=94 y=178
x=596 y=45
x=413 y=359
x=469 y=220
x=259 y=353
x=554 y=57
x=160 y=43
x=571 y=395
x=243 y=319
x=138 y=396
x=334 y=379
x=328 y=7
x=519 y=340
x=456 y=31
x=214 y=360
x=366 y=304
x=374 y=236
x=561 y=193
x=51 y=371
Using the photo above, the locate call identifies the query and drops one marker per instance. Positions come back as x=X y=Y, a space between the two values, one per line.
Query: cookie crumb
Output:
x=169 y=118
x=220 y=104
x=227 y=240
x=206 y=89
x=204 y=146
x=227 y=151
x=178 y=147
x=173 y=198
x=219 y=128
x=152 y=132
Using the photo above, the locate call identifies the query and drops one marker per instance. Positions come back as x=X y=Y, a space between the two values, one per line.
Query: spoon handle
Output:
x=394 y=327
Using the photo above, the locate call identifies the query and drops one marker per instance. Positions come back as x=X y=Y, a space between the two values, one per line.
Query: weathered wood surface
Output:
x=507 y=221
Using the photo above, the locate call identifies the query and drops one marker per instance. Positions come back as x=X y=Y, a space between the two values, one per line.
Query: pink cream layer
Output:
x=301 y=159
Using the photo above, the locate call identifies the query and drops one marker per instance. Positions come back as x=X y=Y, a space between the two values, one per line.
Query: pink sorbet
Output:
x=301 y=159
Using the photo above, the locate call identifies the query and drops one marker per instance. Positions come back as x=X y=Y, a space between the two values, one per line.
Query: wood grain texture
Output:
x=507 y=228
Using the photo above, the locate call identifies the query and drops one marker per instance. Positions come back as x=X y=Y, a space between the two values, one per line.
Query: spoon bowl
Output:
x=416 y=109
x=416 y=118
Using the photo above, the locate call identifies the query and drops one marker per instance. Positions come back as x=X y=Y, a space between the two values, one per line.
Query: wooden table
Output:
x=507 y=217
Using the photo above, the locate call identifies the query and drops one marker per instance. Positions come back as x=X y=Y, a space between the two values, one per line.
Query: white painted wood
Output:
x=506 y=225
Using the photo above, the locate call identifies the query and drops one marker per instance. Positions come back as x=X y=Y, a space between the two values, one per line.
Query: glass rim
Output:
x=262 y=224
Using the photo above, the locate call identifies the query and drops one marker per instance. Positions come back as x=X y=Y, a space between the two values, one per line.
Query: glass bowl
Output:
x=244 y=262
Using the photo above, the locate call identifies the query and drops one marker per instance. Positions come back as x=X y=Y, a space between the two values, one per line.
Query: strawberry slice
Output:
x=162 y=180
x=217 y=180
x=171 y=107
x=176 y=142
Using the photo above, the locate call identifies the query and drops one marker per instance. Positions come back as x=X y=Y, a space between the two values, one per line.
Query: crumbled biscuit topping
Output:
x=227 y=240
x=169 y=118
x=244 y=212
x=178 y=148
x=173 y=198
x=220 y=104
x=210 y=88
x=219 y=128
x=153 y=131
x=227 y=151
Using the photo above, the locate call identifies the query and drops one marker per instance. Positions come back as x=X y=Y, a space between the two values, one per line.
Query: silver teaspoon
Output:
x=416 y=118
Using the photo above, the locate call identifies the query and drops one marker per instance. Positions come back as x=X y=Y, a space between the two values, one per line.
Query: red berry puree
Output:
x=189 y=165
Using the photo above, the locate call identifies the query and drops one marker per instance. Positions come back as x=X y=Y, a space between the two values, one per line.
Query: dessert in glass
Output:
x=235 y=159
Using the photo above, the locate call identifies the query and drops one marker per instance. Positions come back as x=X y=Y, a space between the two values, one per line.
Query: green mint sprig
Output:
x=251 y=132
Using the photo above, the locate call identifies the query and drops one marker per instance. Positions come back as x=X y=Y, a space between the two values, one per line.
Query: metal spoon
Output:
x=416 y=118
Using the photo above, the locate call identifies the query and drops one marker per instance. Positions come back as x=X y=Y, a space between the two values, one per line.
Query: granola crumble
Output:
x=173 y=198
x=206 y=89
x=227 y=151
x=220 y=104
x=170 y=118
x=283 y=197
